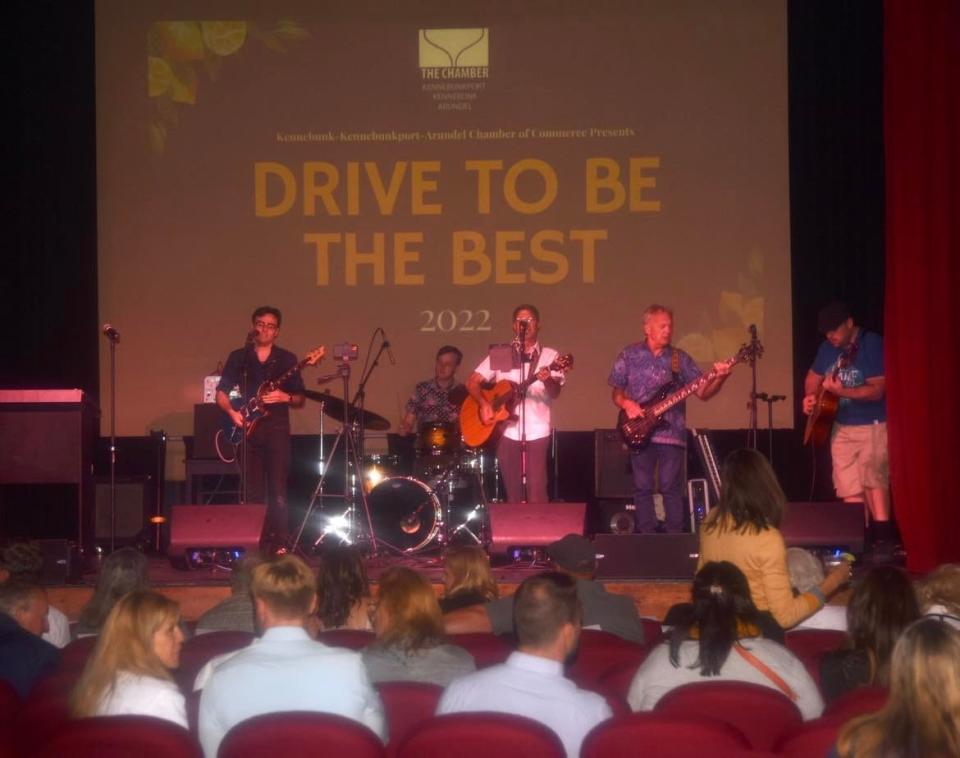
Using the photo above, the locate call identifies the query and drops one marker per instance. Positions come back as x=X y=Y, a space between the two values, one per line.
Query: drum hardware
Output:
x=353 y=420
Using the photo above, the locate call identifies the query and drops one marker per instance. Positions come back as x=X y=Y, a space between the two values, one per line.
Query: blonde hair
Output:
x=922 y=716
x=287 y=586
x=469 y=571
x=125 y=644
x=941 y=587
x=413 y=615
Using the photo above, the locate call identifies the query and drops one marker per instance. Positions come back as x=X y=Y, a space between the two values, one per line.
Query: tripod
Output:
x=345 y=524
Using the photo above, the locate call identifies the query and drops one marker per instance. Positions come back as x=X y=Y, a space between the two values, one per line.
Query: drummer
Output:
x=437 y=400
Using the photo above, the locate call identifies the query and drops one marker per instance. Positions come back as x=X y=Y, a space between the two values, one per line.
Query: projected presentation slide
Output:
x=422 y=168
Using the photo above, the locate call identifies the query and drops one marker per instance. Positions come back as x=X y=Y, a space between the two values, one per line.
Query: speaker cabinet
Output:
x=613 y=476
x=517 y=525
x=133 y=510
x=215 y=526
x=646 y=556
x=207 y=420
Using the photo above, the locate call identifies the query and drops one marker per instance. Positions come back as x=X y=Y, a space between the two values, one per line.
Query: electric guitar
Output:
x=503 y=397
x=255 y=410
x=636 y=432
x=820 y=420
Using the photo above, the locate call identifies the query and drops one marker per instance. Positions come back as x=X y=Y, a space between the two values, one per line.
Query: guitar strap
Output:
x=675 y=364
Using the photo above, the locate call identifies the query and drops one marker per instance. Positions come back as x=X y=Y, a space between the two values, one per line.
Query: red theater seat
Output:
x=616 y=681
x=857 y=702
x=197 y=651
x=641 y=735
x=480 y=735
x=812 y=738
x=354 y=639
x=298 y=733
x=809 y=645
x=487 y=649
x=763 y=714
x=599 y=652
x=406 y=704
x=121 y=737
x=74 y=655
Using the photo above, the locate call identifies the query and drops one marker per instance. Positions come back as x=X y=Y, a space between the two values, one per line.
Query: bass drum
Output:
x=406 y=513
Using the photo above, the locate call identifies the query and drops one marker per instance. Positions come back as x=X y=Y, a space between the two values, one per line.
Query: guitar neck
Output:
x=274 y=383
x=684 y=392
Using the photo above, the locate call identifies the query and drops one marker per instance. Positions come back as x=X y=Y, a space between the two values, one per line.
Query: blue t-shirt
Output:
x=641 y=375
x=867 y=364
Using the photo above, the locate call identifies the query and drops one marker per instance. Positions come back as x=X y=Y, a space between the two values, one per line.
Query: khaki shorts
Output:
x=860 y=458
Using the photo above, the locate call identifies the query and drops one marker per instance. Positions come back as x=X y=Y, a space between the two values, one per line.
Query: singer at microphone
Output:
x=111 y=333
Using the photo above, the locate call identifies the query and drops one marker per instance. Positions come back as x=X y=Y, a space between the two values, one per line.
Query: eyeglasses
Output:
x=266 y=325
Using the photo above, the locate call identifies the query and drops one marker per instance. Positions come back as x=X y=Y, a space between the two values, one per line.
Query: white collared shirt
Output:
x=534 y=687
x=139 y=695
x=285 y=670
x=536 y=404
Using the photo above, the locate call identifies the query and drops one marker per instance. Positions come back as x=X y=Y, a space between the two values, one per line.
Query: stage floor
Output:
x=200 y=589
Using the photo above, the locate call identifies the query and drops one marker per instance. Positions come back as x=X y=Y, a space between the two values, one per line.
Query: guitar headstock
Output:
x=563 y=362
x=314 y=356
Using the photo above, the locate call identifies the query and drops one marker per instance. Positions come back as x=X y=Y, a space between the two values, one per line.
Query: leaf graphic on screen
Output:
x=178 y=52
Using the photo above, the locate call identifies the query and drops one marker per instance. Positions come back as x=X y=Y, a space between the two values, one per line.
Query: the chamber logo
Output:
x=454 y=54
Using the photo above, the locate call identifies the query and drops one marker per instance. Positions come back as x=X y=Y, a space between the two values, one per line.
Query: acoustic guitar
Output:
x=636 y=432
x=821 y=418
x=503 y=397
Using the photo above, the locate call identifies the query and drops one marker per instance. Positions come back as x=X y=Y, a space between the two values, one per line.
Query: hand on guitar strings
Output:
x=632 y=408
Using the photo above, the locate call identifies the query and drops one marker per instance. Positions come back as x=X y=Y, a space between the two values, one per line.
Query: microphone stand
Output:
x=769 y=400
x=752 y=434
x=244 y=382
x=523 y=414
x=113 y=440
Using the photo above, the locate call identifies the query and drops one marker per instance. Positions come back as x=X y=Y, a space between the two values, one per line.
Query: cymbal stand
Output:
x=343 y=527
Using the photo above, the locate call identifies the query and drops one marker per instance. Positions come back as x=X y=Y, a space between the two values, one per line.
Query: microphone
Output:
x=753 y=331
x=386 y=346
x=251 y=335
x=111 y=333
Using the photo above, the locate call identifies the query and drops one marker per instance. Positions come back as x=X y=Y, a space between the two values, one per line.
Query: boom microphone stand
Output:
x=523 y=412
x=752 y=405
x=114 y=338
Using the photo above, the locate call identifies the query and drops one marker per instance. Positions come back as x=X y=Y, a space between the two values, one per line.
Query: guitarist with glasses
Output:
x=267 y=460
x=844 y=398
x=529 y=429
x=644 y=372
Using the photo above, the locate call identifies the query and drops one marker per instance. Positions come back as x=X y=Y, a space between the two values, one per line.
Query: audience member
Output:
x=343 y=590
x=882 y=605
x=939 y=594
x=467 y=579
x=410 y=642
x=285 y=670
x=575 y=556
x=720 y=638
x=24 y=656
x=129 y=669
x=744 y=529
x=806 y=572
x=531 y=683
x=123 y=571
x=234 y=614
x=922 y=716
x=23 y=561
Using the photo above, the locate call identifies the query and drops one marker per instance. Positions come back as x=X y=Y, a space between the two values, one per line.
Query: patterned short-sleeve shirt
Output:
x=431 y=402
x=642 y=375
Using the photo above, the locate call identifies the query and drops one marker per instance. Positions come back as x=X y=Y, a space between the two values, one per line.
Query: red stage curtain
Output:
x=922 y=315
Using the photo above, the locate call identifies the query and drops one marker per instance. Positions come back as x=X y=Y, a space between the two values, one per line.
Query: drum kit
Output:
x=437 y=502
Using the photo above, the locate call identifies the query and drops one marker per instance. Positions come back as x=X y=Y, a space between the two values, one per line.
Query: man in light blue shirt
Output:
x=546 y=614
x=285 y=670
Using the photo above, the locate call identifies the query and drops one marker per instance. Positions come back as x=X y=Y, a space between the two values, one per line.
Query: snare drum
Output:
x=406 y=513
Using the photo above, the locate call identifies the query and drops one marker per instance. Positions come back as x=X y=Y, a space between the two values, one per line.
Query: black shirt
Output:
x=277 y=363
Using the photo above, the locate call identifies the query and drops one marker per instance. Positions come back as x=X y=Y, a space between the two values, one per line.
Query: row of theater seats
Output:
x=746 y=718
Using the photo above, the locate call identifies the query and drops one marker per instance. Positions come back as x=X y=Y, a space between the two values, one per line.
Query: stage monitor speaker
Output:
x=207 y=420
x=824 y=525
x=521 y=525
x=133 y=516
x=646 y=556
x=61 y=562
x=612 y=475
x=195 y=528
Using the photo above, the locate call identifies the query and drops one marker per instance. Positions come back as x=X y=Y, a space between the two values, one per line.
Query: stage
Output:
x=198 y=590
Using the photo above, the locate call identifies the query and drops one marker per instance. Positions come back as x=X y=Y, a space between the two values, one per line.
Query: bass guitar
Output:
x=503 y=397
x=636 y=432
x=255 y=410
x=820 y=421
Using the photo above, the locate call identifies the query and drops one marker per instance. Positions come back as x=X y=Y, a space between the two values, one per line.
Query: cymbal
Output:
x=333 y=406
